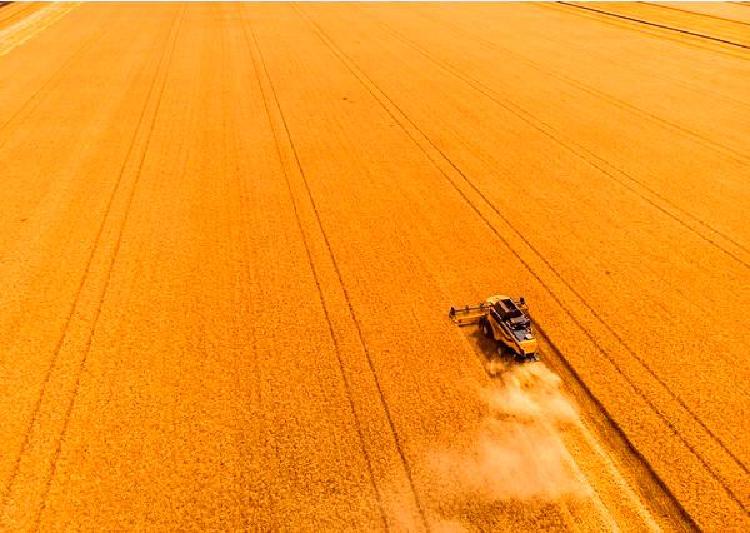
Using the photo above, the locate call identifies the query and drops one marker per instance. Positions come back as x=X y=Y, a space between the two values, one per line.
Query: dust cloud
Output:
x=516 y=452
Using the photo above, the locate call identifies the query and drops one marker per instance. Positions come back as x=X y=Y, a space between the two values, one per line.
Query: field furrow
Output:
x=722 y=30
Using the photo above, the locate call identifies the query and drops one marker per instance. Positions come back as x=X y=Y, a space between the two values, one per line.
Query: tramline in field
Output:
x=503 y=320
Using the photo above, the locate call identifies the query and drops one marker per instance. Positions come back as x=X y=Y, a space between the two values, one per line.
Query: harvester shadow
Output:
x=487 y=351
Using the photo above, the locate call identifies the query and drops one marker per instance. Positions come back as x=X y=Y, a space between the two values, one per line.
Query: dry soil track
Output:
x=230 y=234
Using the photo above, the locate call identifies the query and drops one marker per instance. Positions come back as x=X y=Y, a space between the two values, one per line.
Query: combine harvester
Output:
x=502 y=320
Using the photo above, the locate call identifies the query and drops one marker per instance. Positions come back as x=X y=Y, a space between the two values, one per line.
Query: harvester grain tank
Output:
x=504 y=320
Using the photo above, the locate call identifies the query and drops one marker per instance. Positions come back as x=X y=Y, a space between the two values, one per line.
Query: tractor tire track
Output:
x=622 y=341
x=232 y=142
x=568 y=370
x=720 y=148
x=399 y=116
x=80 y=289
x=657 y=25
x=254 y=50
x=616 y=335
x=562 y=509
x=232 y=361
x=655 y=33
x=652 y=197
x=715 y=17
x=652 y=70
x=386 y=410
x=166 y=57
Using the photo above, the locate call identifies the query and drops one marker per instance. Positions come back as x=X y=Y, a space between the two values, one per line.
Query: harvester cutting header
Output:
x=503 y=320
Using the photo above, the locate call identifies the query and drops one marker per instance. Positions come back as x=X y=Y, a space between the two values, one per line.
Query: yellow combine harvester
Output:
x=503 y=320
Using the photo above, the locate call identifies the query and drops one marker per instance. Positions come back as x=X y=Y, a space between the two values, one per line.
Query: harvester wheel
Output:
x=487 y=329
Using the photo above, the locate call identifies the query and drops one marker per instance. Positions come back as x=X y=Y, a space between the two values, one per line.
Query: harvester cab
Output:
x=503 y=320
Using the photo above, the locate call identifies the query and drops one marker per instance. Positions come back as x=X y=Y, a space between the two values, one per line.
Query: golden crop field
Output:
x=230 y=235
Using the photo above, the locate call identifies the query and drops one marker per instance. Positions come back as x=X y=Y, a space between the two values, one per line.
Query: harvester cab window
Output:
x=507 y=309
